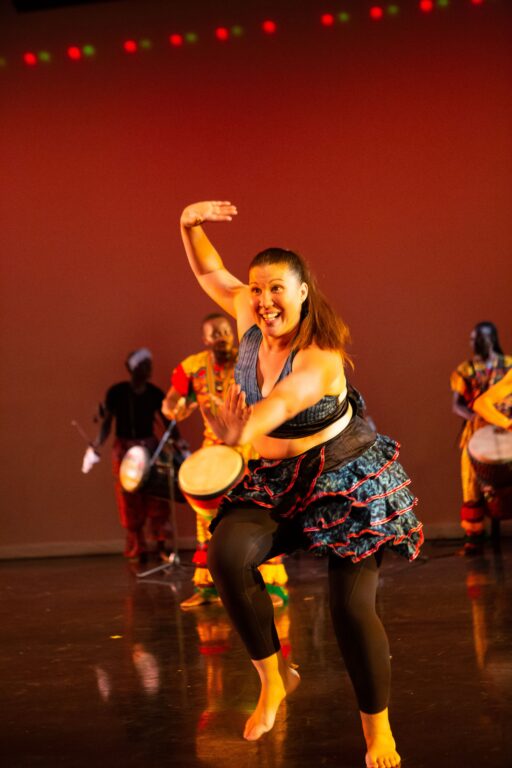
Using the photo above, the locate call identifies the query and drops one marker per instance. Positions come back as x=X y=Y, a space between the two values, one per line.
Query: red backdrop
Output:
x=379 y=151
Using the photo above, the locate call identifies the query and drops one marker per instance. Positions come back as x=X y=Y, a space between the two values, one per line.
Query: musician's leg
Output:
x=364 y=646
x=157 y=515
x=473 y=508
x=275 y=577
x=204 y=588
x=132 y=517
x=242 y=541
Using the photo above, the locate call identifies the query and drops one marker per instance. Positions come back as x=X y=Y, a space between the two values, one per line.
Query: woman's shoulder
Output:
x=314 y=353
x=251 y=334
x=328 y=362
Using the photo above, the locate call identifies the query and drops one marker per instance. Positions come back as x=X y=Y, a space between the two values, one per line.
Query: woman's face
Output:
x=277 y=298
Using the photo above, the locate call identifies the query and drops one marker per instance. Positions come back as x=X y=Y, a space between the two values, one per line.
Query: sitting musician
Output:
x=468 y=382
x=134 y=405
x=195 y=381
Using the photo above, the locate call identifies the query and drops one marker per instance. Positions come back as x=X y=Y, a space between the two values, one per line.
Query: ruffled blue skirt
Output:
x=352 y=510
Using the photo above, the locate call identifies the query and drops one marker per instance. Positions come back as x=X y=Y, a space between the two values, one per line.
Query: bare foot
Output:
x=380 y=744
x=273 y=691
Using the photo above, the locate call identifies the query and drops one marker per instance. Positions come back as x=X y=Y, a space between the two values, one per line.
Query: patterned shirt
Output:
x=198 y=377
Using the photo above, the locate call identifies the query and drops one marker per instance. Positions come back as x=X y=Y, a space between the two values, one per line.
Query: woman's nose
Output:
x=265 y=299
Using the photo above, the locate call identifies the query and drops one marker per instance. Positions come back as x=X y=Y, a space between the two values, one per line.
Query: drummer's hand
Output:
x=209 y=210
x=184 y=408
x=230 y=418
x=179 y=410
x=91 y=457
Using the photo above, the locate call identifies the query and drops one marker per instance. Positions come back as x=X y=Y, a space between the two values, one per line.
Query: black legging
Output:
x=247 y=537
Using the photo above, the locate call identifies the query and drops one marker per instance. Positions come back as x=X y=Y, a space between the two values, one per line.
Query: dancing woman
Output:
x=327 y=482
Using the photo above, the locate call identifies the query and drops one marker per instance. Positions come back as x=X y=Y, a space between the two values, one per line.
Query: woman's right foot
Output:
x=272 y=694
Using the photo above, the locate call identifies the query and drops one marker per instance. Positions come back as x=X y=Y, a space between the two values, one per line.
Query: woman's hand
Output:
x=230 y=417
x=209 y=210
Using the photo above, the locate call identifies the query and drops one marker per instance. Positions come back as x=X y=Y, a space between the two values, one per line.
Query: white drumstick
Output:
x=81 y=431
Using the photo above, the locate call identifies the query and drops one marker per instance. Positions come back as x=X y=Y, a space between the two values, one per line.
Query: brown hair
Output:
x=319 y=323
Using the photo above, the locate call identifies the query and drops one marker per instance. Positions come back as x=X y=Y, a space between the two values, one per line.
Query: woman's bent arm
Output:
x=314 y=372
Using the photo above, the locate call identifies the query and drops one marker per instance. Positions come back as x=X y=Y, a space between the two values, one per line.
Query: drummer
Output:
x=134 y=405
x=200 y=377
x=469 y=381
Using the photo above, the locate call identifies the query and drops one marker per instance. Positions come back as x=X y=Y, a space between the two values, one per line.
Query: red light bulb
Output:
x=130 y=46
x=269 y=27
x=74 y=53
x=30 y=59
x=376 y=13
x=221 y=33
x=176 y=40
x=426 y=6
x=327 y=19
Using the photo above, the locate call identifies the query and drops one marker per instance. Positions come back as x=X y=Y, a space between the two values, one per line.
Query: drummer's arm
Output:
x=460 y=408
x=485 y=405
x=176 y=406
x=104 y=431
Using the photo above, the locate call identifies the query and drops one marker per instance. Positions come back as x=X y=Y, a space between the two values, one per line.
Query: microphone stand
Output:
x=174 y=557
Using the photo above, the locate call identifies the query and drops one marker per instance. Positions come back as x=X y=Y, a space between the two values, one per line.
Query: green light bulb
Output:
x=44 y=56
x=237 y=31
x=393 y=10
x=89 y=50
x=191 y=37
x=146 y=44
x=344 y=17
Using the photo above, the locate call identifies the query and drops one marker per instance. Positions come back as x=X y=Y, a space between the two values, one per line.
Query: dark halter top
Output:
x=320 y=415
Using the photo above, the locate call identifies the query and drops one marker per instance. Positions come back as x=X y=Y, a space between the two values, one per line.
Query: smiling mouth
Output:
x=269 y=316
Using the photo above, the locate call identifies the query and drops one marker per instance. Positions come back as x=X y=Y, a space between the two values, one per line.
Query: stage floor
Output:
x=100 y=668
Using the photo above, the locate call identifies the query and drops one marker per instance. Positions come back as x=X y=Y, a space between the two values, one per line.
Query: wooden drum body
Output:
x=138 y=474
x=490 y=450
x=208 y=474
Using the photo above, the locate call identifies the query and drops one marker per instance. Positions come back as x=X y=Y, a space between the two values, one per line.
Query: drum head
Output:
x=210 y=471
x=491 y=445
x=134 y=468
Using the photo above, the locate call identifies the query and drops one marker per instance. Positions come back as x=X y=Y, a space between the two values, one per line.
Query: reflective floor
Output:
x=101 y=668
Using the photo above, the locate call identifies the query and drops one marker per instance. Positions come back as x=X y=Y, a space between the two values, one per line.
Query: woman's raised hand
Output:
x=230 y=417
x=209 y=210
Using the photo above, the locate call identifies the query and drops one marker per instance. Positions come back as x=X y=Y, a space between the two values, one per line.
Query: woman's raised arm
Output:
x=220 y=285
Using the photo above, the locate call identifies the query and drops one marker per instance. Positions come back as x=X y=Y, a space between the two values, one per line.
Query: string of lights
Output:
x=376 y=13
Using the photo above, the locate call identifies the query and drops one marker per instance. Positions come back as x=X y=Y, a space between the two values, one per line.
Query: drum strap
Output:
x=210 y=381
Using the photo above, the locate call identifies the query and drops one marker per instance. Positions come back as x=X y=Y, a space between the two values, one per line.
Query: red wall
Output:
x=381 y=152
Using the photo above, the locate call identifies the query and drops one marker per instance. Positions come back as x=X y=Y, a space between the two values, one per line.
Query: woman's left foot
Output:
x=380 y=744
